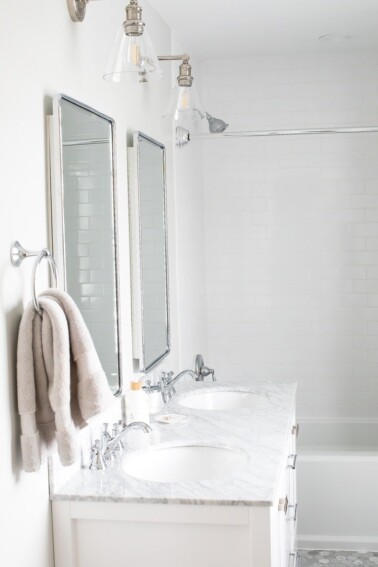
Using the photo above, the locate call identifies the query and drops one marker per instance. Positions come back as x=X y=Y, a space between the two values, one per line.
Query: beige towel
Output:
x=55 y=390
x=43 y=384
x=93 y=392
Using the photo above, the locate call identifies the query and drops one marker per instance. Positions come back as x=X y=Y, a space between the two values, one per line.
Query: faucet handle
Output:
x=97 y=462
x=166 y=377
x=105 y=435
x=116 y=430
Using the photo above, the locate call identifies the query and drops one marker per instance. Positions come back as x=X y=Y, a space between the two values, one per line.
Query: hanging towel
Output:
x=56 y=391
x=93 y=393
x=43 y=385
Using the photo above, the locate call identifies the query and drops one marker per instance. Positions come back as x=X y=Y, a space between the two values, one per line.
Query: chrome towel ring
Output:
x=18 y=254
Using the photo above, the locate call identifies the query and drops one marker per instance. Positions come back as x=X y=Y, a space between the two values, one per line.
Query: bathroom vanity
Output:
x=215 y=490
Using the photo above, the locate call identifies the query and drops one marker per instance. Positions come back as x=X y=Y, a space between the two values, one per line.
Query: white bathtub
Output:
x=338 y=485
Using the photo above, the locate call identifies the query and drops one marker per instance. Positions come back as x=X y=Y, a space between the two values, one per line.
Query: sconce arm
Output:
x=184 y=57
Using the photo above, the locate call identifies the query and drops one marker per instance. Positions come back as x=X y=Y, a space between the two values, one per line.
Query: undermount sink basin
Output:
x=223 y=400
x=183 y=464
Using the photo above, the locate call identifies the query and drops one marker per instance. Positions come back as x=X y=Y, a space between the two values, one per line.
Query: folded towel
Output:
x=56 y=391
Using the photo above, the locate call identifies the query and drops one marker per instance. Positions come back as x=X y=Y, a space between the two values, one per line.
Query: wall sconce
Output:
x=184 y=103
x=133 y=58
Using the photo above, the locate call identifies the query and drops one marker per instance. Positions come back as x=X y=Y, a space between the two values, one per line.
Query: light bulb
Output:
x=134 y=54
x=184 y=103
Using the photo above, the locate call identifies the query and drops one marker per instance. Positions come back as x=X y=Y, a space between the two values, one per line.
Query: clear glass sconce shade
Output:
x=184 y=105
x=133 y=59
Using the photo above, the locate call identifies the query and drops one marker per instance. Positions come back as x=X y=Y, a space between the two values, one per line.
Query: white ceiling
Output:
x=227 y=28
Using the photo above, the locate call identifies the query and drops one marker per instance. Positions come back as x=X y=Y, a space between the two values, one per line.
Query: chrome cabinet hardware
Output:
x=293 y=512
x=283 y=504
x=293 y=560
x=295 y=430
x=292 y=461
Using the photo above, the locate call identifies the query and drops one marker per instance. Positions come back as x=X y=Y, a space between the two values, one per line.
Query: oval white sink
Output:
x=183 y=464
x=223 y=400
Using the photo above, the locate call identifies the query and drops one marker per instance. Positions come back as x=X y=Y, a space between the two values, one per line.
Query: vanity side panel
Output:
x=63 y=535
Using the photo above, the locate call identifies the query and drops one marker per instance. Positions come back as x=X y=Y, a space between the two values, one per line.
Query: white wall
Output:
x=291 y=229
x=190 y=234
x=189 y=238
x=44 y=53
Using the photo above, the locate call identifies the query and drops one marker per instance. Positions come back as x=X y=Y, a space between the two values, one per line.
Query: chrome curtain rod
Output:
x=86 y=142
x=297 y=132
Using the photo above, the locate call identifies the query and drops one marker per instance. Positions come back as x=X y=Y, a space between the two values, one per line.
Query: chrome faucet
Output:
x=102 y=453
x=166 y=384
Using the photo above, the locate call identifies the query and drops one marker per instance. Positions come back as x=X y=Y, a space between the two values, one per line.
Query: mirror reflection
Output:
x=149 y=239
x=84 y=223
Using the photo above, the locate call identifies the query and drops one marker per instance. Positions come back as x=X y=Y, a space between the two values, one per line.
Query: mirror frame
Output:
x=135 y=256
x=56 y=207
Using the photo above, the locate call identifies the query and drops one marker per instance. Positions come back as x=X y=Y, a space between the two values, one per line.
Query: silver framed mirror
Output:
x=84 y=222
x=149 y=251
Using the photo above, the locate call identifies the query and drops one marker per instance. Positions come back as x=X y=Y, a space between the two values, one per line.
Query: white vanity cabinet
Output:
x=241 y=519
x=122 y=534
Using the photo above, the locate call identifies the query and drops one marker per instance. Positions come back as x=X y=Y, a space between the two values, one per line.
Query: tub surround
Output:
x=260 y=432
x=338 y=471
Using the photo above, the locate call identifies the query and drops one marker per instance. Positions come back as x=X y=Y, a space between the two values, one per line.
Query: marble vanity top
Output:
x=260 y=432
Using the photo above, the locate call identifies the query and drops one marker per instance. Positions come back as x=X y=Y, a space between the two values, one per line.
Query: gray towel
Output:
x=56 y=391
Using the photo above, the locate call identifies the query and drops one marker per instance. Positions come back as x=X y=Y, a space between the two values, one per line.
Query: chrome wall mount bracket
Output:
x=182 y=137
x=77 y=9
x=18 y=254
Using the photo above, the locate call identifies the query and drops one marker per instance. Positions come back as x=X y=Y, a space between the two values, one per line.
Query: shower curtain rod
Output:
x=297 y=132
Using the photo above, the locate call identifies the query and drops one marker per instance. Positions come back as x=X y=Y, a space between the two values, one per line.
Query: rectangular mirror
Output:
x=150 y=302
x=83 y=222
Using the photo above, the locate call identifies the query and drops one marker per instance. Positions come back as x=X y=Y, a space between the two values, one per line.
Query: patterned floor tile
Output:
x=316 y=558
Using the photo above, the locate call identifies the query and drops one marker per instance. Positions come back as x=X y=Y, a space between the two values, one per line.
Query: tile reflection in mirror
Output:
x=151 y=341
x=83 y=221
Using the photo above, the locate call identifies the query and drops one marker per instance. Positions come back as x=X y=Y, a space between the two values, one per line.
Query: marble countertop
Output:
x=260 y=432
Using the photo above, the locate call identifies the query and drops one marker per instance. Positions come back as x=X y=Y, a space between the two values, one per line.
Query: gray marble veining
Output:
x=260 y=432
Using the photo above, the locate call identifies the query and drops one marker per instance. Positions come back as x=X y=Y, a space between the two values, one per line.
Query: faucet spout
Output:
x=112 y=444
x=191 y=373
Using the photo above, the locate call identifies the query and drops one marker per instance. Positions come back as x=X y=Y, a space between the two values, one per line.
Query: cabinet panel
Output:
x=118 y=544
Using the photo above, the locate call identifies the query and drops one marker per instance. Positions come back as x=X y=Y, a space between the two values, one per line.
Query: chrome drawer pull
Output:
x=293 y=508
x=295 y=430
x=293 y=463
x=283 y=504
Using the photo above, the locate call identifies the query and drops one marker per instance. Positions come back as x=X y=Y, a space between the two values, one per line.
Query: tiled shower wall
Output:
x=291 y=227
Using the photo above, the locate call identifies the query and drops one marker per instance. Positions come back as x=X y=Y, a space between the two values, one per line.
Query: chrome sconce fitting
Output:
x=77 y=9
x=185 y=78
x=133 y=25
